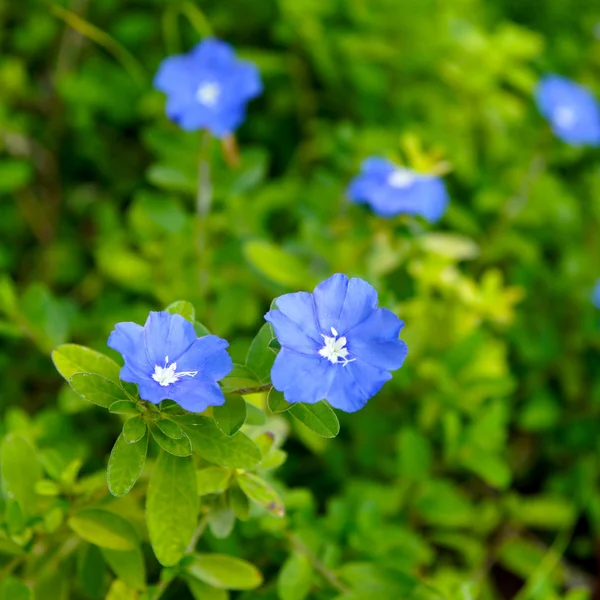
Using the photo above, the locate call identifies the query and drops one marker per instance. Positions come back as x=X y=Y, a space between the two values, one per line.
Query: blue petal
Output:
x=227 y=120
x=377 y=166
x=302 y=378
x=354 y=384
x=169 y=335
x=359 y=303
x=196 y=396
x=435 y=198
x=362 y=187
x=247 y=80
x=329 y=298
x=382 y=325
x=300 y=308
x=291 y=335
x=384 y=355
x=208 y=356
x=128 y=339
x=152 y=391
x=173 y=74
x=214 y=54
x=596 y=295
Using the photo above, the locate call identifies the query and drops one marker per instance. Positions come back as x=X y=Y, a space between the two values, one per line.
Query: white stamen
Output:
x=335 y=350
x=564 y=116
x=168 y=374
x=401 y=178
x=208 y=93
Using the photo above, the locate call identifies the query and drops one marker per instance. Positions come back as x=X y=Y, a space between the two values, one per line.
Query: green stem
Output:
x=203 y=205
x=265 y=387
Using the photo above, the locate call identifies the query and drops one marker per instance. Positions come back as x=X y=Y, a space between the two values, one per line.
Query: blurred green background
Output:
x=476 y=469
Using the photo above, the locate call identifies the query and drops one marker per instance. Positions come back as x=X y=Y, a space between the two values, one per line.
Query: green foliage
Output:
x=474 y=473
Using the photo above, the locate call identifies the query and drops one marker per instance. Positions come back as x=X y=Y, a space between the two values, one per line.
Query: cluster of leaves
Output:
x=473 y=474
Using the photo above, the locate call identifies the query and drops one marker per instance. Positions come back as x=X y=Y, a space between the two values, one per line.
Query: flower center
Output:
x=208 y=93
x=335 y=350
x=564 y=116
x=168 y=374
x=400 y=178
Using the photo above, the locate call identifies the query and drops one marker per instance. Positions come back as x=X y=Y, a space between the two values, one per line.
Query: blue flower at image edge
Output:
x=336 y=345
x=573 y=113
x=392 y=190
x=168 y=360
x=208 y=88
x=596 y=295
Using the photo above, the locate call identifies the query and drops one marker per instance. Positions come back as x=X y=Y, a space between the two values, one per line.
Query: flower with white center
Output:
x=167 y=375
x=401 y=178
x=190 y=379
x=571 y=109
x=335 y=350
x=313 y=366
x=208 y=93
x=390 y=190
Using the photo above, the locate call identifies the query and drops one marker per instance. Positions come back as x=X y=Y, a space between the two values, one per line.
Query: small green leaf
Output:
x=230 y=416
x=295 y=578
x=203 y=591
x=260 y=357
x=236 y=452
x=277 y=402
x=72 y=358
x=319 y=418
x=183 y=308
x=119 y=590
x=45 y=487
x=12 y=588
x=212 y=480
x=125 y=464
x=19 y=472
x=254 y=415
x=124 y=407
x=200 y=329
x=274 y=344
x=97 y=389
x=128 y=565
x=104 y=528
x=172 y=507
x=134 y=429
x=260 y=492
x=239 y=502
x=170 y=429
x=91 y=569
x=225 y=572
x=180 y=447
x=240 y=377
x=275 y=459
x=221 y=519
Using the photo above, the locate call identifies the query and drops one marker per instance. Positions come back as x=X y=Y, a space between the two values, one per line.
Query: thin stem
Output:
x=203 y=205
x=198 y=533
x=265 y=387
x=330 y=576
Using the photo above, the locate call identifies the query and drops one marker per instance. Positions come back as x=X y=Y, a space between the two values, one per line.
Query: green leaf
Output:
x=104 y=528
x=221 y=520
x=183 y=308
x=170 y=429
x=91 y=570
x=230 y=416
x=295 y=578
x=125 y=464
x=124 y=407
x=172 y=507
x=15 y=174
x=14 y=589
x=276 y=264
x=236 y=452
x=240 y=377
x=119 y=590
x=134 y=429
x=72 y=358
x=180 y=447
x=45 y=487
x=224 y=572
x=414 y=455
x=452 y=245
x=260 y=357
x=277 y=402
x=200 y=329
x=128 y=565
x=212 y=480
x=319 y=418
x=238 y=502
x=254 y=415
x=260 y=492
x=98 y=390
x=203 y=591
x=19 y=472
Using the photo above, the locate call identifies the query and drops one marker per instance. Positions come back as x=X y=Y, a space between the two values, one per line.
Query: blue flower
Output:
x=168 y=360
x=392 y=190
x=596 y=294
x=208 y=88
x=336 y=345
x=573 y=112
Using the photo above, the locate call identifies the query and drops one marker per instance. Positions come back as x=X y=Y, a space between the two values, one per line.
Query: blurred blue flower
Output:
x=596 y=294
x=336 y=345
x=392 y=190
x=168 y=360
x=208 y=88
x=573 y=113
